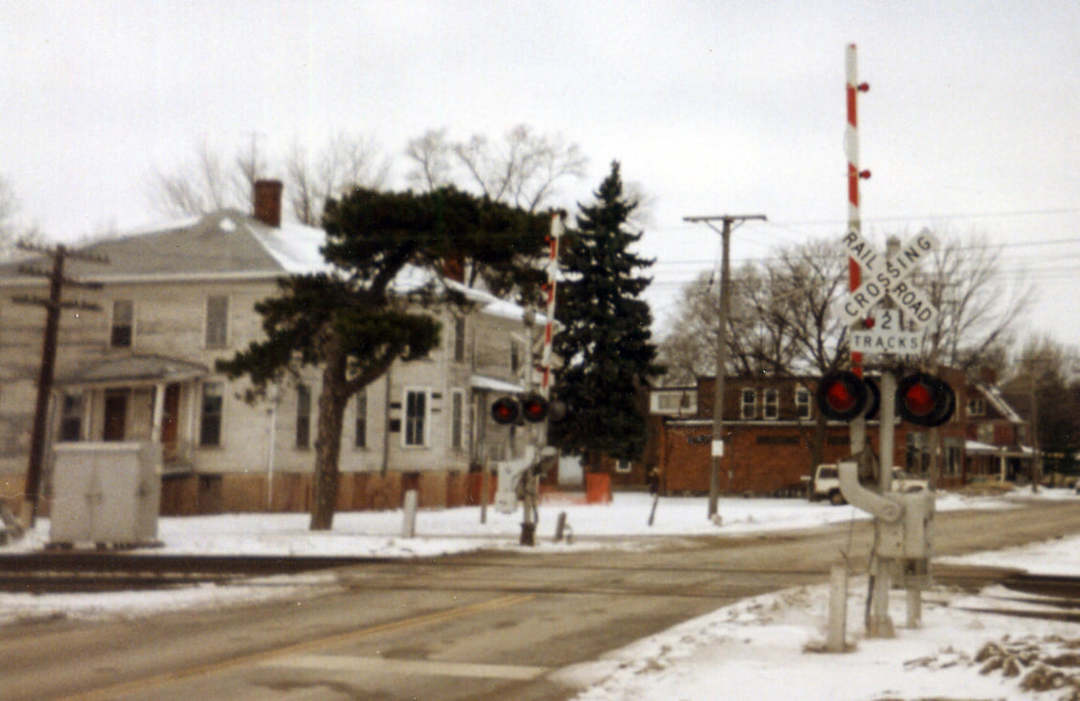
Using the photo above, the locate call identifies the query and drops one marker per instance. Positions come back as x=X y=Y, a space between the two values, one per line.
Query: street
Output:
x=477 y=626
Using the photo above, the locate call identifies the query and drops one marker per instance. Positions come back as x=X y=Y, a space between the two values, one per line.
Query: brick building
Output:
x=770 y=423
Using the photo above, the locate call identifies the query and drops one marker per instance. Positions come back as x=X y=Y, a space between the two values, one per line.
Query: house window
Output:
x=123 y=318
x=457 y=419
x=210 y=425
x=622 y=467
x=217 y=316
x=976 y=407
x=802 y=402
x=71 y=417
x=415 y=417
x=360 y=439
x=748 y=404
x=303 y=416
x=772 y=404
x=459 y=339
x=515 y=356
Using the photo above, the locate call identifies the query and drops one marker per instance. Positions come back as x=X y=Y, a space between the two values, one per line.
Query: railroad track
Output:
x=66 y=571
x=102 y=571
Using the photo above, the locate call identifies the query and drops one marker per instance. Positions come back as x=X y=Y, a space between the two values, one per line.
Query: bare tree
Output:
x=689 y=348
x=431 y=154
x=199 y=186
x=781 y=319
x=212 y=181
x=521 y=169
x=1039 y=387
x=9 y=207
x=345 y=161
x=977 y=314
x=250 y=166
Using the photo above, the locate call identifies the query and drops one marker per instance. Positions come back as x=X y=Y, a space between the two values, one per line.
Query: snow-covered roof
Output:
x=234 y=245
x=295 y=247
x=979 y=447
x=994 y=396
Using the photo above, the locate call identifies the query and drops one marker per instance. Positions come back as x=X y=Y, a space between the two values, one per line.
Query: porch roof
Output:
x=134 y=369
x=1009 y=451
x=482 y=382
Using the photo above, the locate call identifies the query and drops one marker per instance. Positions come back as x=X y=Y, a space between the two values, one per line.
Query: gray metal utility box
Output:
x=106 y=493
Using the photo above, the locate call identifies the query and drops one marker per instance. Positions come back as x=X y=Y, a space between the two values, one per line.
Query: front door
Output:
x=170 y=421
x=115 y=414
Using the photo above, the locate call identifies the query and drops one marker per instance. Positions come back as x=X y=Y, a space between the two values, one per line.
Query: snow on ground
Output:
x=759 y=648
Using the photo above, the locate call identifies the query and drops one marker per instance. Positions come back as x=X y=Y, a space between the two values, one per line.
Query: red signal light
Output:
x=841 y=396
x=919 y=399
x=504 y=410
x=925 y=400
x=534 y=408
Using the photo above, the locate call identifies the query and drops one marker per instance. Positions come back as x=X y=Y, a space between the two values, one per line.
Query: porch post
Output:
x=159 y=412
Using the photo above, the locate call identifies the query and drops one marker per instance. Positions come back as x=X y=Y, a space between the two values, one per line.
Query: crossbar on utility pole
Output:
x=721 y=343
x=53 y=305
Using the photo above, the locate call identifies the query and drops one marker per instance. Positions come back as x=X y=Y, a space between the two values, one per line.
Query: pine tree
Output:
x=605 y=341
x=353 y=324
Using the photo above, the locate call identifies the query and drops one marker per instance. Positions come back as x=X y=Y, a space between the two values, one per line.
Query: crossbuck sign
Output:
x=888 y=277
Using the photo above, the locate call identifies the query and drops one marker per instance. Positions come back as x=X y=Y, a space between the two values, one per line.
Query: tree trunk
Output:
x=332 y=400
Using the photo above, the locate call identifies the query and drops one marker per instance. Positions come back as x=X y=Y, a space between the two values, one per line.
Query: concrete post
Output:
x=837 y=609
x=408 y=526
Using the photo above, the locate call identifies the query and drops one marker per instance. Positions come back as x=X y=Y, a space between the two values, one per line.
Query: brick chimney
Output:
x=268 y=202
x=453 y=267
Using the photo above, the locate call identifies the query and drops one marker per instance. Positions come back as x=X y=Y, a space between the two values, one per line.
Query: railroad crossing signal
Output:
x=532 y=408
x=921 y=399
x=888 y=277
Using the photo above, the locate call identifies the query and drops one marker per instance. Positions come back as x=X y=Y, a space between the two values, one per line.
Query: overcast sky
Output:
x=972 y=122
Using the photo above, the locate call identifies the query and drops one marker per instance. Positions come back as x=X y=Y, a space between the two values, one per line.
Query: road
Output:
x=478 y=626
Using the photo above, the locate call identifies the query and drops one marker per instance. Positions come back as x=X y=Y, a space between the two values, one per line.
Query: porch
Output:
x=135 y=398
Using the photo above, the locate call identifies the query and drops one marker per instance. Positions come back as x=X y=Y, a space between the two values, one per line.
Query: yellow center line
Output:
x=111 y=692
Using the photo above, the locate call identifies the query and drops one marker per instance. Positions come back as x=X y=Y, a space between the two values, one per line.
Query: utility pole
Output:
x=52 y=305
x=1036 y=456
x=721 y=343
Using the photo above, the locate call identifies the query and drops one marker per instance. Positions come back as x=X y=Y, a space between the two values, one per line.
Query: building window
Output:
x=217 y=317
x=802 y=403
x=360 y=439
x=210 y=425
x=748 y=404
x=303 y=416
x=459 y=339
x=677 y=402
x=457 y=419
x=123 y=319
x=772 y=404
x=976 y=407
x=71 y=417
x=415 y=417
